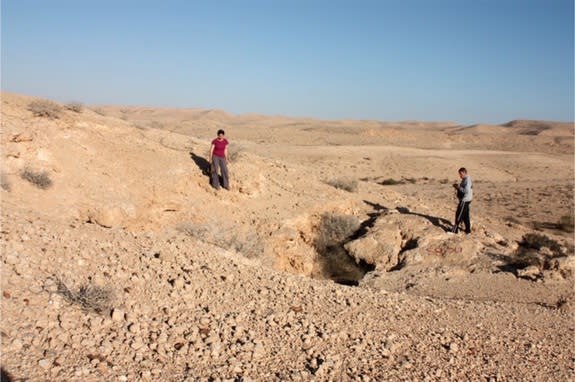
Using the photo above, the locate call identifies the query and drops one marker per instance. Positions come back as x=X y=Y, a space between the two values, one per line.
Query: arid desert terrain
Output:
x=329 y=259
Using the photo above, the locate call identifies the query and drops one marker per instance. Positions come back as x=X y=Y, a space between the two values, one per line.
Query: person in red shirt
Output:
x=219 y=161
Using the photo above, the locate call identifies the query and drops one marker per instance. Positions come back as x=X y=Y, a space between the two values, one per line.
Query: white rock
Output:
x=45 y=364
x=118 y=314
x=16 y=344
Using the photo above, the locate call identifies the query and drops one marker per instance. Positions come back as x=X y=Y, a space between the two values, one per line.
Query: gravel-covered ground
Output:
x=184 y=310
x=120 y=263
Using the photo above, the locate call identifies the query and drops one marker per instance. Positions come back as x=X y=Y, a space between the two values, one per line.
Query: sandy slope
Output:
x=232 y=285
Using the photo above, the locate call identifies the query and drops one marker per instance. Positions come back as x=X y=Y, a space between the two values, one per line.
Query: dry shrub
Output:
x=512 y=220
x=536 y=250
x=334 y=230
x=156 y=125
x=390 y=182
x=5 y=183
x=566 y=223
x=235 y=152
x=40 y=179
x=88 y=296
x=45 y=109
x=346 y=184
x=538 y=241
x=229 y=238
x=76 y=107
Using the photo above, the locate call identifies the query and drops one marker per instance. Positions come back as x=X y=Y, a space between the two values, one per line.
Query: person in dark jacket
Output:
x=465 y=196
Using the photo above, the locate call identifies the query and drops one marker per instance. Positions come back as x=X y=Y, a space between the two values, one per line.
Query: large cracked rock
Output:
x=399 y=240
x=380 y=247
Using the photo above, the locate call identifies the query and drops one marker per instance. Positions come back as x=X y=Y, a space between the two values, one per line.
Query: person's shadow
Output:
x=202 y=164
x=445 y=224
x=436 y=221
x=205 y=167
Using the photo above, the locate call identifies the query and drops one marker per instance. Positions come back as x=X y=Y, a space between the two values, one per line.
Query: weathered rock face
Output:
x=565 y=266
x=399 y=240
x=291 y=253
x=381 y=246
x=293 y=247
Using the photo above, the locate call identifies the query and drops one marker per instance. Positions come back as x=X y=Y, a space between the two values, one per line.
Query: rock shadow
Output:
x=365 y=225
x=334 y=260
x=6 y=377
x=506 y=263
x=340 y=267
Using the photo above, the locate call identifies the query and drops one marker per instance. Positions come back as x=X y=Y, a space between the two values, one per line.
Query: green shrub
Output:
x=45 y=109
x=40 y=179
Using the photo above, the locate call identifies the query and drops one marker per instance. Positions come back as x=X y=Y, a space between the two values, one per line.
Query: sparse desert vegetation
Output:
x=230 y=238
x=45 y=109
x=5 y=183
x=284 y=277
x=88 y=296
x=347 y=184
x=40 y=179
x=334 y=229
x=390 y=182
x=76 y=107
x=537 y=250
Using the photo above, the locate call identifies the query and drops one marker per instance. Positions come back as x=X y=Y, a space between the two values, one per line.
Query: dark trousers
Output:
x=217 y=164
x=462 y=215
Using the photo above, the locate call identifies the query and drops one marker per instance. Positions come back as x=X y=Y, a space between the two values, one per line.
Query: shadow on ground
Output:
x=445 y=224
x=6 y=377
x=379 y=209
x=202 y=163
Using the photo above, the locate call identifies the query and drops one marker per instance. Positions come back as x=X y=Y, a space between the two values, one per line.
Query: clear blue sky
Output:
x=467 y=61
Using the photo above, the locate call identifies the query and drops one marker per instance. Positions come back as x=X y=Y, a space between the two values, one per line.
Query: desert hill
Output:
x=254 y=283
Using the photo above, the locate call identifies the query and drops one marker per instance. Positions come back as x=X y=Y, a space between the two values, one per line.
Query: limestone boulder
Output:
x=110 y=216
x=380 y=247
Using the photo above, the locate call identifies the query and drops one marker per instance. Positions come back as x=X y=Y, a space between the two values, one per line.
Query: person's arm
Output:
x=468 y=186
x=465 y=187
x=226 y=154
x=211 y=152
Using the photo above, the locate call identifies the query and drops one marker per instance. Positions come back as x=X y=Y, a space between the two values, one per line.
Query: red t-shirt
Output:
x=220 y=147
